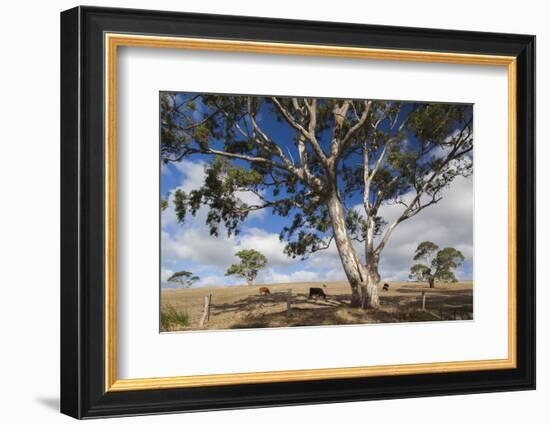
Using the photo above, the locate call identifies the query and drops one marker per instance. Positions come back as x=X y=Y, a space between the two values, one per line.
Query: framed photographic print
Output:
x=261 y=212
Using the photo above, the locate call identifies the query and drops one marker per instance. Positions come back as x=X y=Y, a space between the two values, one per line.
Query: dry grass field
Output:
x=239 y=307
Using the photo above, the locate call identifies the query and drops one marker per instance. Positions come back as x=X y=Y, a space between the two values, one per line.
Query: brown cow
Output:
x=264 y=290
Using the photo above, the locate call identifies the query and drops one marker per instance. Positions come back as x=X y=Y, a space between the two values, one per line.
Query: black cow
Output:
x=317 y=293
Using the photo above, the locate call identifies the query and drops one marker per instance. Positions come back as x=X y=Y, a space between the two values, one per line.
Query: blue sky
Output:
x=189 y=246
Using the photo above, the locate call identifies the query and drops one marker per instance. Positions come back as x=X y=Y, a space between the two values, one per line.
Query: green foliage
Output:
x=220 y=193
x=420 y=272
x=438 y=265
x=172 y=319
x=324 y=138
x=251 y=263
x=163 y=204
x=434 y=122
x=446 y=260
x=184 y=278
x=425 y=250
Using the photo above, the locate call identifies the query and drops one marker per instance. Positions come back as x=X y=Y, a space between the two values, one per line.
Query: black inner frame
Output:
x=82 y=209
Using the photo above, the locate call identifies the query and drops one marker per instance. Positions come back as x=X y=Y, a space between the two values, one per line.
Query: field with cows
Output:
x=287 y=305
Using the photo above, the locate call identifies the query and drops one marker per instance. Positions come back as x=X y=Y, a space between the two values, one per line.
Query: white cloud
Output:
x=449 y=223
x=272 y=276
x=196 y=244
x=193 y=242
x=192 y=173
x=326 y=259
x=165 y=274
x=212 y=280
x=267 y=243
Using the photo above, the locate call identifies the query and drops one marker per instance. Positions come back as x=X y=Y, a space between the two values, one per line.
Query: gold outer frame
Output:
x=113 y=41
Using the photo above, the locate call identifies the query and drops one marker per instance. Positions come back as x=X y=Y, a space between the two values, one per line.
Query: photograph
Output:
x=286 y=211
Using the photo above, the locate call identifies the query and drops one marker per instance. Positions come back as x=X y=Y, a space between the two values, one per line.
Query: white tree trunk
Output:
x=364 y=290
x=370 y=297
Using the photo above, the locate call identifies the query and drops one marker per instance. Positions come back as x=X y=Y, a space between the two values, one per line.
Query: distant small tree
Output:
x=251 y=263
x=184 y=278
x=435 y=265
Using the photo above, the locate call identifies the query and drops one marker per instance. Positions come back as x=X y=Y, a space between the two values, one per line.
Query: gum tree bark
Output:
x=354 y=270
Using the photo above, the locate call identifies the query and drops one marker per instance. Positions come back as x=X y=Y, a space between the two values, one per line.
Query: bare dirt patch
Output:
x=240 y=307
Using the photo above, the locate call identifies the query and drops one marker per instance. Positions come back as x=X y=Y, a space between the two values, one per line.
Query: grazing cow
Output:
x=264 y=290
x=386 y=287
x=317 y=293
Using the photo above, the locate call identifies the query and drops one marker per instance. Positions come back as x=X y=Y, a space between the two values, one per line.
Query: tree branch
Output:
x=307 y=135
x=410 y=210
x=274 y=146
x=325 y=246
x=342 y=144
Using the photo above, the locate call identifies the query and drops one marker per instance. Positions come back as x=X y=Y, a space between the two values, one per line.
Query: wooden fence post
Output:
x=288 y=302
x=206 y=313
x=423 y=300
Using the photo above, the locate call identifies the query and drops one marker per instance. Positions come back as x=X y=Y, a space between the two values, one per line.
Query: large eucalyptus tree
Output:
x=329 y=165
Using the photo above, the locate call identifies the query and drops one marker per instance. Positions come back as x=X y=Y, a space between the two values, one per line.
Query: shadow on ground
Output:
x=404 y=305
x=49 y=402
